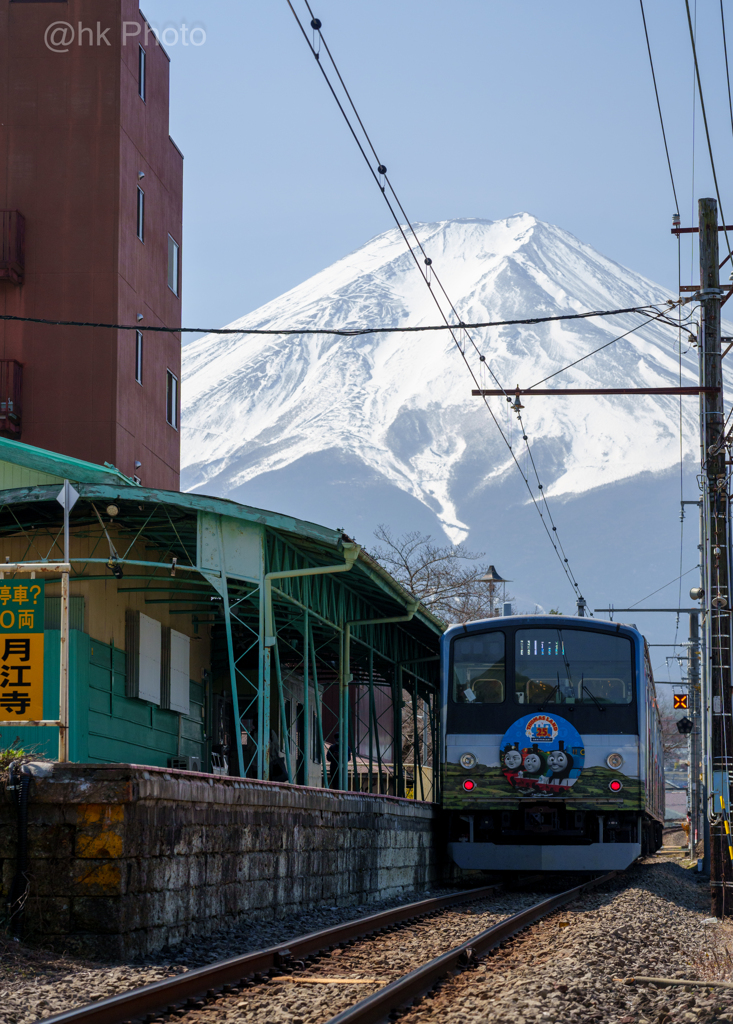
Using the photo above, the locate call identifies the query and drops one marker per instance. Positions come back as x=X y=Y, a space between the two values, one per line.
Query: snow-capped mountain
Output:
x=358 y=430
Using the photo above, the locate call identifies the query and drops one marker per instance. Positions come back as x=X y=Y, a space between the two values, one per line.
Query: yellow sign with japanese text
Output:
x=21 y=676
x=22 y=621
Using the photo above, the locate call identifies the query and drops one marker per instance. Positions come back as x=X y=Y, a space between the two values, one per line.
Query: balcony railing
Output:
x=11 y=382
x=12 y=246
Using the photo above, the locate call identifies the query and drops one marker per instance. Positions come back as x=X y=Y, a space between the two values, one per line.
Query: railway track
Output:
x=202 y=992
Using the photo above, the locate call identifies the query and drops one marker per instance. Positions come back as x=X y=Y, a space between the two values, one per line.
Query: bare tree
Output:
x=674 y=744
x=447 y=579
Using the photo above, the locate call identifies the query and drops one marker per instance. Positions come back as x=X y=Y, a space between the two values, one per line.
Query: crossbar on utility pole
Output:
x=691 y=391
x=716 y=561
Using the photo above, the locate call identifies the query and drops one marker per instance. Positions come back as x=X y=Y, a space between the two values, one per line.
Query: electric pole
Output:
x=695 y=801
x=716 y=560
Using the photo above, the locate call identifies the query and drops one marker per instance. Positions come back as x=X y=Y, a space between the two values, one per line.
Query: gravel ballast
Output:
x=34 y=983
x=653 y=920
x=575 y=965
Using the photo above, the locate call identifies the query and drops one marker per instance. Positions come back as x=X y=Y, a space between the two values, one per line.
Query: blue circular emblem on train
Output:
x=542 y=753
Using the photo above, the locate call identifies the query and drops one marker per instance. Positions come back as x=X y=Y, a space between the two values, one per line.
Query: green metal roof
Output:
x=174 y=527
x=60 y=467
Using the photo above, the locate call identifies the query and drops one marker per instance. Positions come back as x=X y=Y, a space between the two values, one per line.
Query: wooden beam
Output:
x=694 y=231
x=496 y=392
x=696 y=288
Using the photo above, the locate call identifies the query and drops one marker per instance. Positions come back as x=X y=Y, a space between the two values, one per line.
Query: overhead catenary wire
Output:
x=659 y=105
x=727 y=71
x=705 y=123
x=428 y=273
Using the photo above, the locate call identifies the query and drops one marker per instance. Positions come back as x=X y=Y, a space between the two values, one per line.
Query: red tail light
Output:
x=615 y=786
x=469 y=784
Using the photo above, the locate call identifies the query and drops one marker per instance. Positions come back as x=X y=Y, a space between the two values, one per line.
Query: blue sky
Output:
x=479 y=108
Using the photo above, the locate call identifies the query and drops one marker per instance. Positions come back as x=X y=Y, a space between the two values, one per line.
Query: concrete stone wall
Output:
x=124 y=859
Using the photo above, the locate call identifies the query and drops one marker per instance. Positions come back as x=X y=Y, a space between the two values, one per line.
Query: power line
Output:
x=427 y=271
x=705 y=122
x=341 y=331
x=727 y=72
x=611 y=342
x=662 y=588
x=659 y=107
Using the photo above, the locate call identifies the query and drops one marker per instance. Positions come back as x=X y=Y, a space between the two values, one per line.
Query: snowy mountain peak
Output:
x=400 y=405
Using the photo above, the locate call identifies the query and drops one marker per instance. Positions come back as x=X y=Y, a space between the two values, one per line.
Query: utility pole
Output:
x=694 y=785
x=716 y=561
x=67 y=498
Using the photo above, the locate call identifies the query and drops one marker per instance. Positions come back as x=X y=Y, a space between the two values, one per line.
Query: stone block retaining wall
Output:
x=124 y=858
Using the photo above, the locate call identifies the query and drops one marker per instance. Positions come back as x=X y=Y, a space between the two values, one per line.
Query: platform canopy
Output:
x=327 y=658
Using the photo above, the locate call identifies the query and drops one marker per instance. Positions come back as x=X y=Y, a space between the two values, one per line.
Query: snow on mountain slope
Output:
x=401 y=403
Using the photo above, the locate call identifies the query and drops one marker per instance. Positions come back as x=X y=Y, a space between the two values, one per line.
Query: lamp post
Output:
x=493 y=578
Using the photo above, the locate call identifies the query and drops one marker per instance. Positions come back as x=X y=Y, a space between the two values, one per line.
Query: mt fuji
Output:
x=354 y=431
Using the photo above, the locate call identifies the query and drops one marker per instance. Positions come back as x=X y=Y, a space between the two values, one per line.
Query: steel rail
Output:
x=402 y=993
x=163 y=997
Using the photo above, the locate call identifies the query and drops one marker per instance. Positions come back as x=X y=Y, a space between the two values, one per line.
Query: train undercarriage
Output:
x=541 y=836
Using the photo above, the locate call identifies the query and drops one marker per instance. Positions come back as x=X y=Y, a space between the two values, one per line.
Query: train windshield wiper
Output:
x=585 y=689
x=549 y=697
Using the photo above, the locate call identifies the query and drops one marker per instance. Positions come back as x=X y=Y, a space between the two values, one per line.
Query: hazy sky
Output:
x=479 y=108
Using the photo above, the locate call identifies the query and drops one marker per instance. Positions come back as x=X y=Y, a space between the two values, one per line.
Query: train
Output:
x=551 y=745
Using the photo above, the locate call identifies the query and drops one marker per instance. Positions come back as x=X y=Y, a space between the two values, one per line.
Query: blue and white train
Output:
x=552 y=749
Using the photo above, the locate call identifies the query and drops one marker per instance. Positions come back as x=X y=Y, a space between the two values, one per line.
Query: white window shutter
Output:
x=180 y=672
x=149 y=664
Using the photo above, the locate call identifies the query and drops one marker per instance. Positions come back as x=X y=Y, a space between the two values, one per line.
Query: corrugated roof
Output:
x=63 y=466
x=107 y=483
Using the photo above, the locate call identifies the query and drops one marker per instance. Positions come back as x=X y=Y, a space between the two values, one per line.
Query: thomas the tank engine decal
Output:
x=541 y=754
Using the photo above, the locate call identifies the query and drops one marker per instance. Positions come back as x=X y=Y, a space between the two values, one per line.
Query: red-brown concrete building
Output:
x=91 y=194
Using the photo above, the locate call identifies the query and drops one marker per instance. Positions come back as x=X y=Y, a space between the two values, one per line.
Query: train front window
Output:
x=479 y=668
x=572 y=666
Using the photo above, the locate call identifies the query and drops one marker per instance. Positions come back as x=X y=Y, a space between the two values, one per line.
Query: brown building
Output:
x=91 y=190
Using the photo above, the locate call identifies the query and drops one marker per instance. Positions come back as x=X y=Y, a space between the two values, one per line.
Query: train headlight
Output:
x=614 y=761
x=468 y=760
x=468 y=785
x=615 y=785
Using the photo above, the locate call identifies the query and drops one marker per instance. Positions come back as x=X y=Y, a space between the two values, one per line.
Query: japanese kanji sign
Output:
x=680 y=701
x=22 y=623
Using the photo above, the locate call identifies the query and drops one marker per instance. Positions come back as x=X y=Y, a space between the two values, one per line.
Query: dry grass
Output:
x=20 y=754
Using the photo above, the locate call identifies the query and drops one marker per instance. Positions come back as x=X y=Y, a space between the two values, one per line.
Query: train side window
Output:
x=479 y=668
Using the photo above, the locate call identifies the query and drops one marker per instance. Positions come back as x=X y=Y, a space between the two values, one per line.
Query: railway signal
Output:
x=685 y=725
x=680 y=701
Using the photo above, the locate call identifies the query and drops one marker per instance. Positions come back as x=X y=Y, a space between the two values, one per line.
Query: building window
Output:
x=171 y=400
x=140 y=214
x=142 y=74
x=139 y=356
x=174 y=262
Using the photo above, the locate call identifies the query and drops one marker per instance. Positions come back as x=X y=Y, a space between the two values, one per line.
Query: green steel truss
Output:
x=333 y=672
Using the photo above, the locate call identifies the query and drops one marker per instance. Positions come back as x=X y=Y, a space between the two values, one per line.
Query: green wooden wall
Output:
x=106 y=725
